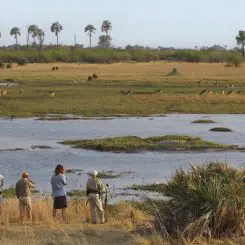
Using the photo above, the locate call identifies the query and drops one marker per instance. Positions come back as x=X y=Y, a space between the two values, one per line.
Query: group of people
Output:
x=94 y=189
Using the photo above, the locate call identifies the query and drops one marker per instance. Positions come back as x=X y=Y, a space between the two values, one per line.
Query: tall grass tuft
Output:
x=206 y=200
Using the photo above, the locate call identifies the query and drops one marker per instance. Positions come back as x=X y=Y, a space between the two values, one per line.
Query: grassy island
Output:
x=162 y=143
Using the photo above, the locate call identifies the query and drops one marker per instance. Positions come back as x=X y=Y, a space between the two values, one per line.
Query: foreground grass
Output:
x=161 y=143
x=103 y=97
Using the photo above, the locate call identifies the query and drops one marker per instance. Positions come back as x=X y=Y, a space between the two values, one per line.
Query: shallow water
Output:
x=144 y=167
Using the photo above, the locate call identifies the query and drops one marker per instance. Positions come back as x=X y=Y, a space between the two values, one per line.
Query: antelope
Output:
x=203 y=92
x=52 y=94
x=223 y=92
x=159 y=91
x=3 y=92
x=229 y=92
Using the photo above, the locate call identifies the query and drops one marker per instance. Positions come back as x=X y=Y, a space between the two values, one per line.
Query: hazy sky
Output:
x=178 y=23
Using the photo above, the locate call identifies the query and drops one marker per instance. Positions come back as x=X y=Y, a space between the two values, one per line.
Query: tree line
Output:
x=38 y=34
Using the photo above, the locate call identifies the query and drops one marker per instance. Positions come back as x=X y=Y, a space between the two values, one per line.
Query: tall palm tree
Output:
x=56 y=28
x=106 y=27
x=15 y=31
x=32 y=30
x=40 y=36
x=90 y=29
x=240 y=39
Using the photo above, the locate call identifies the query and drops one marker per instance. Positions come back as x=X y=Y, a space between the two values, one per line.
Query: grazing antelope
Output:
x=3 y=92
x=159 y=91
x=203 y=92
x=52 y=94
x=229 y=92
x=239 y=92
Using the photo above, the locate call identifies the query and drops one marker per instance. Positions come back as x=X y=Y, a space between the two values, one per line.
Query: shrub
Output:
x=2 y=64
x=234 y=59
x=95 y=76
x=205 y=200
x=90 y=78
x=9 y=66
x=22 y=61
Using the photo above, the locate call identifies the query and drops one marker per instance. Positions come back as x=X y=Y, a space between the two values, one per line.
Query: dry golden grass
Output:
x=126 y=225
x=151 y=71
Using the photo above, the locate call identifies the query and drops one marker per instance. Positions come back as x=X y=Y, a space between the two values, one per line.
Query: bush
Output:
x=2 y=64
x=205 y=200
x=9 y=66
x=234 y=59
x=90 y=78
x=22 y=61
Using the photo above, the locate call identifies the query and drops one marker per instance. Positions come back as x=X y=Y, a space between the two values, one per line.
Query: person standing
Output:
x=94 y=189
x=1 y=193
x=58 y=183
x=23 y=193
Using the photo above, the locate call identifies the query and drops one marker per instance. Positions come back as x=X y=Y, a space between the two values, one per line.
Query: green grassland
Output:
x=106 y=96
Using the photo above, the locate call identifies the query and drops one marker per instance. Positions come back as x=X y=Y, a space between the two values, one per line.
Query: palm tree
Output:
x=106 y=27
x=90 y=29
x=240 y=39
x=40 y=36
x=15 y=31
x=32 y=30
x=56 y=28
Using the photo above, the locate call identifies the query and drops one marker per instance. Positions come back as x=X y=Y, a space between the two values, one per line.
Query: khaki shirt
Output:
x=23 y=188
x=95 y=184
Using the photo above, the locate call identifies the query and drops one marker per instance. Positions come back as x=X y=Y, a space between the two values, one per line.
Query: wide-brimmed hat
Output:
x=94 y=173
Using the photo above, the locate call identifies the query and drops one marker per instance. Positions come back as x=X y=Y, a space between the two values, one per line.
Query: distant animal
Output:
x=229 y=92
x=239 y=92
x=159 y=91
x=56 y=68
x=223 y=92
x=53 y=68
x=3 y=92
x=52 y=94
x=203 y=92
x=128 y=92
x=21 y=92
x=210 y=92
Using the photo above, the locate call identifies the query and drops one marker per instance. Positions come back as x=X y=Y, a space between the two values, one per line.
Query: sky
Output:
x=167 y=23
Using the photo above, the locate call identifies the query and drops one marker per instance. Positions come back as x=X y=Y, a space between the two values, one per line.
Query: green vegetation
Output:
x=206 y=200
x=108 y=174
x=149 y=187
x=104 y=55
x=10 y=192
x=203 y=121
x=220 y=129
x=134 y=144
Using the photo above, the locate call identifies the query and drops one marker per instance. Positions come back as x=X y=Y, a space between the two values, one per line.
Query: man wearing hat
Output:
x=23 y=193
x=94 y=189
